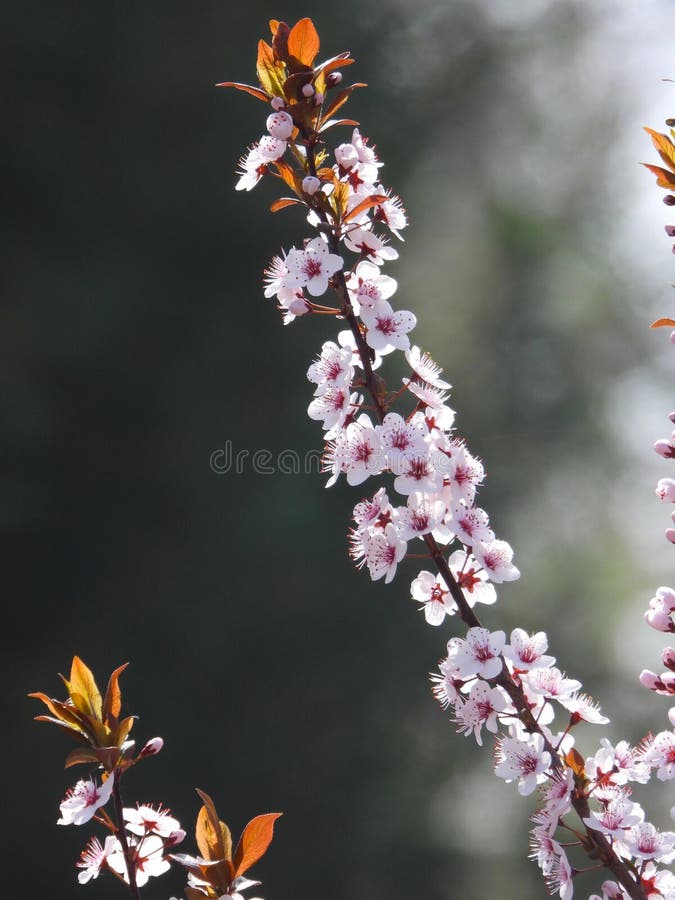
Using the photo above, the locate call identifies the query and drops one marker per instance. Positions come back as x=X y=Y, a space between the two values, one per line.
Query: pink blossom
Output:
x=646 y=842
x=370 y=246
x=251 y=168
x=145 y=819
x=425 y=368
x=550 y=683
x=387 y=330
x=527 y=651
x=82 y=801
x=147 y=854
x=333 y=368
x=482 y=707
x=495 y=557
x=312 y=267
x=280 y=125
x=471 y=579
x=421 y=515
x=383 y=551
x=658 y=752
x=523 y=760
x=431 y=591
x=94 y=857
x=583 y=708
x=367 y=286
x=479 y=654
x=616 y=817
x=470 y=524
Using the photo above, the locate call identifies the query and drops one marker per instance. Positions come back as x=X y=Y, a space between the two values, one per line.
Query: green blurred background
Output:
x=136 y=341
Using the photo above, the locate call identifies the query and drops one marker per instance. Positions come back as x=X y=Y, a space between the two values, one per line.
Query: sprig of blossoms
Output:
x=431 y=480
x=142 y=838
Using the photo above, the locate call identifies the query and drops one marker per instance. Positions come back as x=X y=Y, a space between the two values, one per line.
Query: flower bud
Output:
x=671 y=716
x=668 y=658
x=670 y=230
x=333 y=79
x=649 y=680
x=308 y=91
x=669 y=200
x=278 y=103
x=665 y=490
x=346 y=156
x=670 y=535
x=176 y=837
x=153 y=746
x=280 y=125
x=664 y=448
x=318 y=98
x=310 y=184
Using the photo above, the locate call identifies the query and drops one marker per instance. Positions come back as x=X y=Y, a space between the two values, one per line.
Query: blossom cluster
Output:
x=511 y=689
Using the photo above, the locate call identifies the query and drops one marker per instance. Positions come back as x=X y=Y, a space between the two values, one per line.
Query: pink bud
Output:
x=153 y=746
x=280 y=125
x=277 y=103
x=670 y=535
x=346 y=156
x=671 y=416
x=664 y=448
x=333 y=79
x=659 y=620
x=665 y=597
x=310 y=184
x=649 y=680
x=668 y=658
x=299 y=306
x=670 y=230
x=307 y=90
x=672 y=333
x=176 y=837
x=671 y=715
x=318 y=98
x=665 y=490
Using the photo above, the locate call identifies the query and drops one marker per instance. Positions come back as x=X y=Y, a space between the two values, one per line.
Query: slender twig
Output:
x=121 y=836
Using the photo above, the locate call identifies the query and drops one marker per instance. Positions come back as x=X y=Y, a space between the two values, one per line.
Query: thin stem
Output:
x=121 y=836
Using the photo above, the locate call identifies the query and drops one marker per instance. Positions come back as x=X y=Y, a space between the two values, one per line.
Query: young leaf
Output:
x=283 y=202
x=213 y=836
x=254 y=841
x=303 y=42
x=660 y=323
x=83 y=689
x=270 y=73
x=664 y=178
x=249 y=89
x=665 y=147
x=80 y=755
x=112 y=703
x=372 y=200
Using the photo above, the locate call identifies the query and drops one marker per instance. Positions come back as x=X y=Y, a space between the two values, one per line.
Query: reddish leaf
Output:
x=331 y=123
x=283 y=202
x=664 y=178
x=285 y=172
x=661 y=323
x=63 y=712
x=80 y=755
x=280 y=32
x=254 y=841
x=575 y=761
x=112 y=703
x=254 y=91
x=303 y=42
x=373 y=200
x=340 y=99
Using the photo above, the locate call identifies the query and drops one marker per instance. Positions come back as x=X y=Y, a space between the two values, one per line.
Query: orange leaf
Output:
x=212 y=835
x=664 y=178
x=83 y=689
x=660 y=323
x=665 y=147
x=285 y=172
x=575 y=761
x=63 y=712
x=373 y=200
x=112 y=704
x=254 y=841
x=254 y=91
x=303 y=42
x=283 y=202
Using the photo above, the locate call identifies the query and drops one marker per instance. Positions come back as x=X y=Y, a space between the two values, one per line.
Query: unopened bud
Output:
x=308 y=91
x=333 y=79
x=670 y=535
x=649 y=680
x=670 y=230
x=153 y=746
x=277 y=103
x=669 y=200
x=318 y=98
x=280 y=125
x=672 y=337
x=664 y=448
x=311 y=184
x=671 y=416
x=176 y=837
x=668 y=657
x=665 y=490
x=671 y=716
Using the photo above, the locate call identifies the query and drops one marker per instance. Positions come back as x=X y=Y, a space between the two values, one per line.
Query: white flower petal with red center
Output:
x=387 y=330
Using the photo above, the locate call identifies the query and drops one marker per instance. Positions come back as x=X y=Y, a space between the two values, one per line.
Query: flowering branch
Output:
x=141 y=837
x=485 y=680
